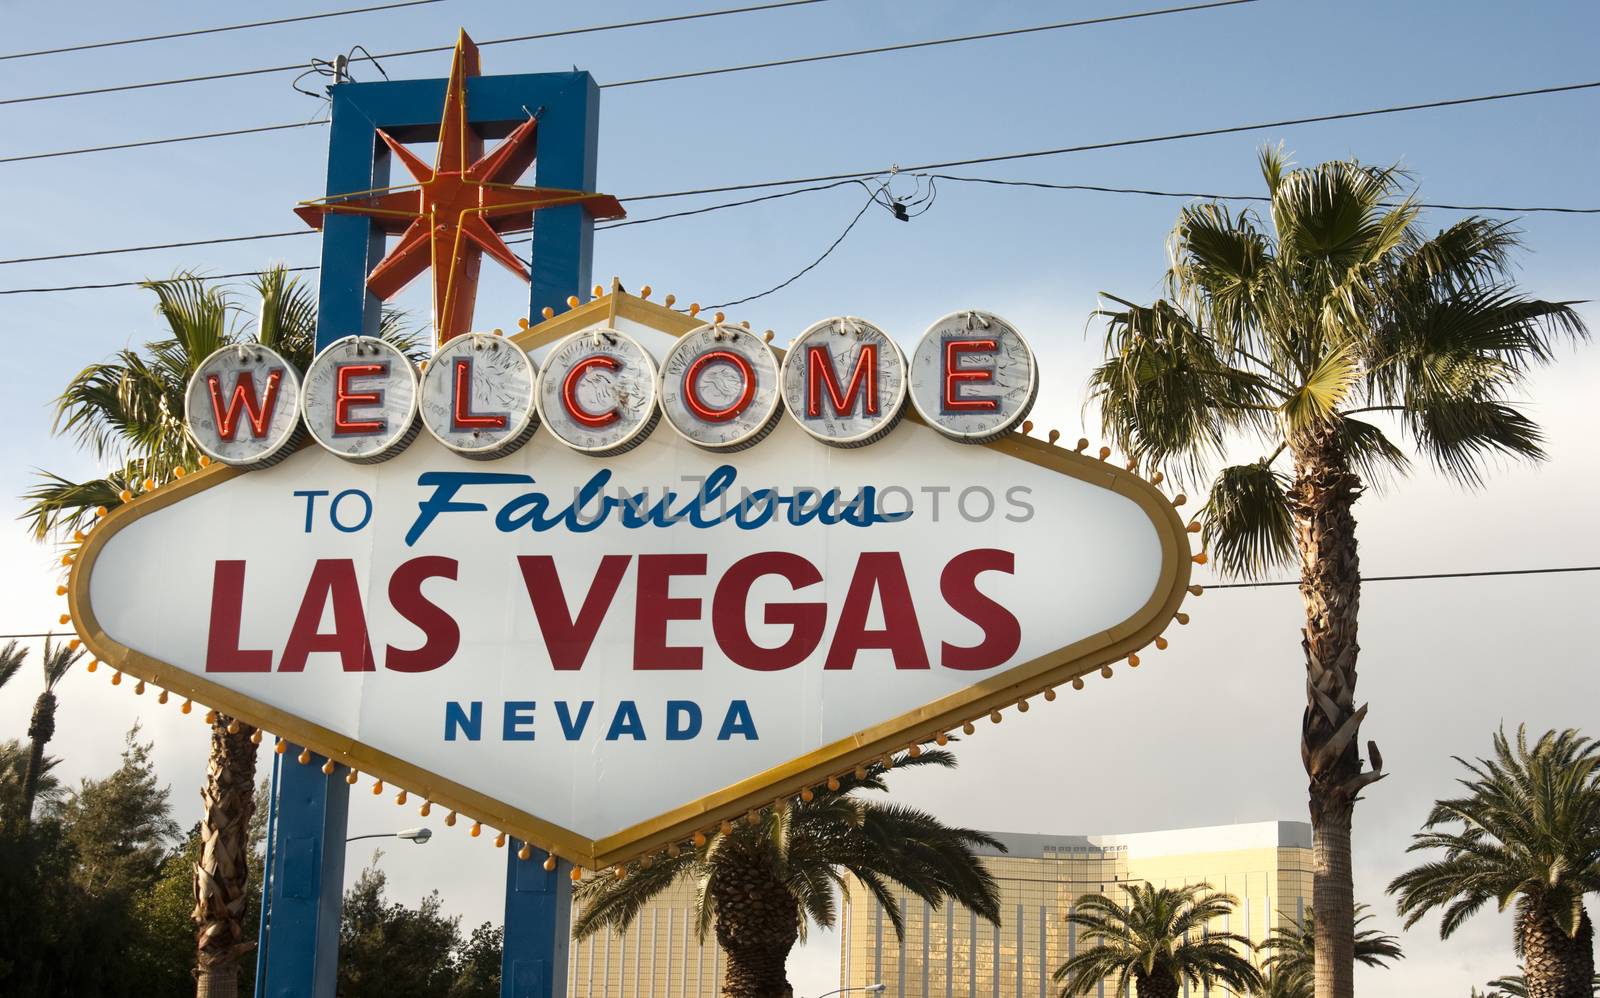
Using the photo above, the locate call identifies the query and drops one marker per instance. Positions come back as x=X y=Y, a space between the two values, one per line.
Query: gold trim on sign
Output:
x=990 y=695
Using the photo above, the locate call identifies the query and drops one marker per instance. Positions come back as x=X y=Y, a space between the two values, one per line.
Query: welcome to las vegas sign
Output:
x=625 y=575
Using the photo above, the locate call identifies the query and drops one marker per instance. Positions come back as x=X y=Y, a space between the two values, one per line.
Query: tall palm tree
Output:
x=1530 y=834
x=1283 y=331
x=1159 y=942
x=42 y=725
x=128 y=412
x=760 y=882
x=14 y=767
x=1516 y=986
x=1291 y=951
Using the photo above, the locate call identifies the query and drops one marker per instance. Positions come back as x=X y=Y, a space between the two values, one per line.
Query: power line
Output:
x=930 y=43
x=1224 y=585
x=563 y=33
x=136 y=284
x=872 y=199
x=141 y=143
x=214 y=31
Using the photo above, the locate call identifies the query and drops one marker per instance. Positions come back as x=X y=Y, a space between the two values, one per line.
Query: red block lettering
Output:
x=691 y=386
x=346 y=398
x=656 y=607
x=568 y=639
x=569 y=392
x=1001 y=632
x=461 y=415
x=258 y=411
x=806 y=620
x=332 y=579
x=441 y=633
x=863 y=380
x=879 y=571
x=223 y=653
x=955 y=376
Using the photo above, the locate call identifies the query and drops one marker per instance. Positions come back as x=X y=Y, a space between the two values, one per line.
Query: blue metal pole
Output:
x=307 y=874
x=538 y=926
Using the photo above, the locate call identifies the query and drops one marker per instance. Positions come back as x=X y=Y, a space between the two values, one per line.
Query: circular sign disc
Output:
x=719 y=387
x=477 y=396
x=597 y=392
x=360 y=399
x=242 y=406
x=973 y=377
x=844 y=382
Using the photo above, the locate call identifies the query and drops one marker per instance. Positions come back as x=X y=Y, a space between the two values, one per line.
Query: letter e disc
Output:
x=973 y=377
x=360 y=399
x=844 y=382
x=477 y=396
x=242 y=406
x=719 y=387
x=597 y=392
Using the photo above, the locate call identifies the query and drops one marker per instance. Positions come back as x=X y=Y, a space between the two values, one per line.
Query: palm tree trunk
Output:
x=758 y=923
x=223 y=870
x=41 y=728
x=1157 y=984
x=1556 y=965
x=1322 y=497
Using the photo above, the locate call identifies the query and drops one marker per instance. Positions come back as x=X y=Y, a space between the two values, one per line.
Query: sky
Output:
x=1209 y=734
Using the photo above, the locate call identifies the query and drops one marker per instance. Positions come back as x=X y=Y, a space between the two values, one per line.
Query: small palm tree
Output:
x=1159 y=942
x=42 y=726
x=760 y=882
x=1307 y=332
x=14 y=757
x=1291 y=951
x=1529 y=835
x=129 y=413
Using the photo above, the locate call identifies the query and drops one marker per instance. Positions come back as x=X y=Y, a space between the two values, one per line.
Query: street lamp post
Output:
x=417 y=835
x=874 y=989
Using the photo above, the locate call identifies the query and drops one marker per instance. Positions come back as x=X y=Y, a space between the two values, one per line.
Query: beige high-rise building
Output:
x=951 y=953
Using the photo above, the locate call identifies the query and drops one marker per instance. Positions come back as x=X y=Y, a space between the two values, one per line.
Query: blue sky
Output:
x=1444 y=664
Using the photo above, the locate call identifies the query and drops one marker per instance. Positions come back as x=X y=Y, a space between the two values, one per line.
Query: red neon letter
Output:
x=569 y=392
x=955 y=376
x=244 y=397
x=864 y=379
x=335 y=579
x=461 y=415
x=901 y=634
x=655 y=607
x=223 y=653
x=806 y=620
x=345 y=399
x=441 y=633
x=1001 y=632
x=691 y=388
x=568 y=639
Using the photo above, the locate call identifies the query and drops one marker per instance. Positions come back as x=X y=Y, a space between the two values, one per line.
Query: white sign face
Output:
x=719 y=387
x=597 y=392
x=844 y=382
x=477 y=396
x=603 y=657
x=242 y=406
x=360 y=399
x=973 y=377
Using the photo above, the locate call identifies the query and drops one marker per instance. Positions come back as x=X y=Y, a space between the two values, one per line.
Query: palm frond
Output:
x=12 y=655
x=1246 y=522
x=56 y=660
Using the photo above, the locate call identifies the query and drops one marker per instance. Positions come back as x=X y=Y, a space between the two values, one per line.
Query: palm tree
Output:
x=760 y=881
x=14 y=757
x=42 y=726
x=1530 y=833
x=1516 y=986
x=1159 y=942
x=1291 y=951
x=129 y=413
x=1284 y=334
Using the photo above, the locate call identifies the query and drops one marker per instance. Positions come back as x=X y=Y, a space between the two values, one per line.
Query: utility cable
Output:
x=562 y=33
x=1225 y=585
x=214 y=31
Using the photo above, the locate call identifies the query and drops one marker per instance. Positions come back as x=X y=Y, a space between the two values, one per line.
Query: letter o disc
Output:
x=377 y=416
x=597 y=392
x=477 y=396
x=242 y=406
x=719 y=387
x=851 y=349
x=995 y=379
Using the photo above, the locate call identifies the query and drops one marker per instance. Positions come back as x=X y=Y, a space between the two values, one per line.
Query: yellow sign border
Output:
x=991 y=694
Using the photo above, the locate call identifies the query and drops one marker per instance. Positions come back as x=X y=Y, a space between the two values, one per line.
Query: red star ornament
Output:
x=459 y=208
